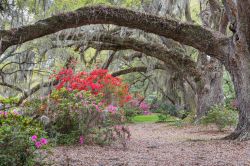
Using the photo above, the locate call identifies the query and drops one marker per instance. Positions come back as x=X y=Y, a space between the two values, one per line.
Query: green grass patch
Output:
x=152 y=118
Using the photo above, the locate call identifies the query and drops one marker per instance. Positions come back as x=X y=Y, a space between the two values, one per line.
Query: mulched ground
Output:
x=160 y=145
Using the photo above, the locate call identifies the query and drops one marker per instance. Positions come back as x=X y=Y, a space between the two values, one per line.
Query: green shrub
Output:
x=179 y=123
x=162 y=117
x=130 y=112
x=16 y=146
x=170 y=110
x=7 y=102
x=221 y=117
x=190 y=119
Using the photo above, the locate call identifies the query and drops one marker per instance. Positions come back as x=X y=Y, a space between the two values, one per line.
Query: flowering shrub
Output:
x=145 y=107
x=141 y=105
x=84 y=107
x=16 y=145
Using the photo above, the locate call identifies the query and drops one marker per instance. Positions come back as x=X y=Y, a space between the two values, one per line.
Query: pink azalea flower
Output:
x=112 y=109
x=44 y=141
x=101 y=103
x=81 y=140
x=97 y=107
x=33 y=138
x=38 y=144
x=15 y=112
x=144 y=106
x=69 y=89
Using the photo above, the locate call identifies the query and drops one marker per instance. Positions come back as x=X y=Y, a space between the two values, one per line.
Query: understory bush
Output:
x=20 y=138
x=166 y=110
x=163 y=117
x=136 y=107
x=131 y=112
x=8 y=102
x=221 y=117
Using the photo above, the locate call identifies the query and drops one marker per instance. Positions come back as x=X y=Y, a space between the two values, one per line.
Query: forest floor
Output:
x=156 y=144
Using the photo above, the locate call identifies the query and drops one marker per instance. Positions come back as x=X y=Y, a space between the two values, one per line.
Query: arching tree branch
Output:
x=196 y=36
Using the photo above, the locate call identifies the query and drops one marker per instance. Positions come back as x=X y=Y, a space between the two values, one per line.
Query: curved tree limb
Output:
x=189 y=70
x=134 y=69
x=12 y=87
x=203 y=39
x=35 y=89
x=108 y=61
x=93 y=59
x=26 y=94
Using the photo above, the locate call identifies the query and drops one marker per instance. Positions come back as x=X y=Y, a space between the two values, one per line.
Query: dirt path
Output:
x=161 y=145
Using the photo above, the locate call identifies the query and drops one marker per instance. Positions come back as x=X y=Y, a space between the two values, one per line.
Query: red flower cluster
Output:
x=98 y=82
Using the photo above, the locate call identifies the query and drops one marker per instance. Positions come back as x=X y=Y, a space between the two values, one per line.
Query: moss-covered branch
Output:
x=172 y=58
x=196 y=36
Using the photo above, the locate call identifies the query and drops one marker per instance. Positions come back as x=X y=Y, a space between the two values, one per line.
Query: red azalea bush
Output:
x=97 y=82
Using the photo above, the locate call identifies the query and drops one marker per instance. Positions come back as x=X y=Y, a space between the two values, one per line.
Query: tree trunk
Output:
x=189 y=97
x=238 y=65
x=240 y=73
x=209 y=90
